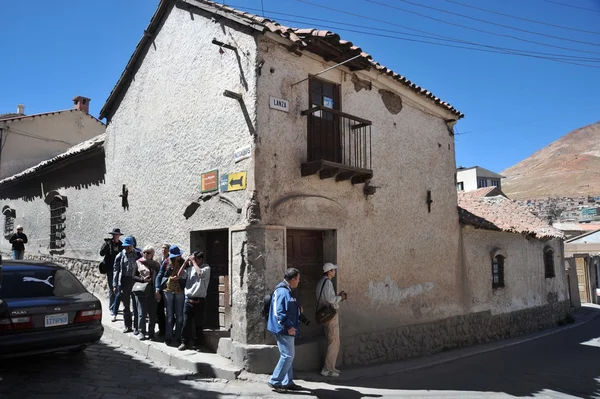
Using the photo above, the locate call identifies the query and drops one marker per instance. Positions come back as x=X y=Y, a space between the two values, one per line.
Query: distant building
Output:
x=27 y=140
x=588 y=214
x=469 y=179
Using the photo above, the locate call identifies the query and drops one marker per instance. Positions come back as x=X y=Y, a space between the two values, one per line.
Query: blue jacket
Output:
x=284 y=312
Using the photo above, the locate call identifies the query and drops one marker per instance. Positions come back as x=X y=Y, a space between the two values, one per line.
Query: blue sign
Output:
x=224 y=182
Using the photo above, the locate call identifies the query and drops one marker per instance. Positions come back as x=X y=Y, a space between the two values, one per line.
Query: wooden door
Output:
x=305 y=253
x=217 y=244
x=324 y=127
x=582 y=279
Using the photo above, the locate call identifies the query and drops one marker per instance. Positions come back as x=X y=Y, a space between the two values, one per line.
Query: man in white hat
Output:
x=326 y=296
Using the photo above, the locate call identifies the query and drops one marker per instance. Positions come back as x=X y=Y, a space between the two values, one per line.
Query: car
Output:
x=45 y=309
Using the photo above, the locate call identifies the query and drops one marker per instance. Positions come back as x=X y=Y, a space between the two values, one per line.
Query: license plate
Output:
x=60 y=319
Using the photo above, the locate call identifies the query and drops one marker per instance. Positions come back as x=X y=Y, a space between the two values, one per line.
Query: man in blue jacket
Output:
x=284 y=323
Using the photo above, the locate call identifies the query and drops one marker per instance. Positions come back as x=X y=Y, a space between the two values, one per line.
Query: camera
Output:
x=304 y=320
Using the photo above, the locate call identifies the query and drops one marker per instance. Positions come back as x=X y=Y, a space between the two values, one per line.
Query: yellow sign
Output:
x=236 y=181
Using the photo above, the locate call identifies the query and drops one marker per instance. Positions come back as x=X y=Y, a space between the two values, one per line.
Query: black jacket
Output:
x=110 y=250
x=17 y=245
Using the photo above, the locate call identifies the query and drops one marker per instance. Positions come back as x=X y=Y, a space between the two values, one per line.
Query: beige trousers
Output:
x=332 y=331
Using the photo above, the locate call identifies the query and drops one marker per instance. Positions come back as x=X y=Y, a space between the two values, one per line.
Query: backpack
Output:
x=266 y=308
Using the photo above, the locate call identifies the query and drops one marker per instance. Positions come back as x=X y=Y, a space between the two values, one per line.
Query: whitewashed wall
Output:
x=399 y=263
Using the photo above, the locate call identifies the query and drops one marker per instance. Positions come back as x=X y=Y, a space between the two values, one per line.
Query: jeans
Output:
x=126 y=286
x=283 y=374
x=193 y=313
x=112 y=296
x=17 y=255
x=174 y=305
x=146 y=308
x=160 y=314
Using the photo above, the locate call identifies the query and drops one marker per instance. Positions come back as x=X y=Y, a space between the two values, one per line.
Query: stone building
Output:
x=231 y=134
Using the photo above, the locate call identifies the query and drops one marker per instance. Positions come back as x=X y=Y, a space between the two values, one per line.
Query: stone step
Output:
x=203 y=363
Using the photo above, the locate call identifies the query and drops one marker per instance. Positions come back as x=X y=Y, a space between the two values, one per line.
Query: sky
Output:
x=514 y=105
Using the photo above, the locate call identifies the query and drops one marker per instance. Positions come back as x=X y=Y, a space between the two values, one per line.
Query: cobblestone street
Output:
x=558 y=365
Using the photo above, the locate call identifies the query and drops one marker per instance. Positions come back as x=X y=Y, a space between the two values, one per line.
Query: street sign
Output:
x=242 y=153
x=279 y=104
x=209 y=181
x=224 y=182
x=236 y=181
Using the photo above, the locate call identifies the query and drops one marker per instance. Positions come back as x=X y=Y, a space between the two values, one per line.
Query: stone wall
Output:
x=85 y=270
x=451 y=333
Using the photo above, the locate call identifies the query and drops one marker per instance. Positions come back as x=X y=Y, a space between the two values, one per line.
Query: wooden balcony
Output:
x=338 y=146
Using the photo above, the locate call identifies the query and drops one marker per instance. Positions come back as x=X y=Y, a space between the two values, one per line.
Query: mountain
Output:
x=568 y=167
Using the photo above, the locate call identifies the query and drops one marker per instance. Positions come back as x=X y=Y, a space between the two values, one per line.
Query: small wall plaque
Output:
x=280 y=104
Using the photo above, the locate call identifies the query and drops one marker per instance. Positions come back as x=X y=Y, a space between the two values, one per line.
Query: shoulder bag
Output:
x=141 y=289
x=102 y=268
x=326 y=312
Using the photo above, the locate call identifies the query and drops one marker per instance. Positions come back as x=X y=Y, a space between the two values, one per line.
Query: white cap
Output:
x=329 y=266
x=19 y=227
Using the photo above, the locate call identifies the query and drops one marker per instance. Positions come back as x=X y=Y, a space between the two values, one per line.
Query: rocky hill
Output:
x=568 y=167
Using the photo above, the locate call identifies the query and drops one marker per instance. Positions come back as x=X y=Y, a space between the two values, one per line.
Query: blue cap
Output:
x=175 y=251
x=128 y=241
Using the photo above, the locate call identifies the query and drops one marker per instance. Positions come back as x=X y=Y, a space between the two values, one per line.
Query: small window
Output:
x=494 y=183
x=460 y=186
x=9 y=220
x=549 y=263
x=482 y=183
x=58 y=207
x=498 y=271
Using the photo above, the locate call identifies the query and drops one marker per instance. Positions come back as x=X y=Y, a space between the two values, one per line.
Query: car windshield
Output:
x=39 y=282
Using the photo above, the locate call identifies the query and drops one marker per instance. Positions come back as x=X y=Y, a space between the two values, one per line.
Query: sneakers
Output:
x=329 y=373
x=127 y=330
x=182 y=347
x=141 y=336
x=277 y=388
x=114 y=318
x=293 y=387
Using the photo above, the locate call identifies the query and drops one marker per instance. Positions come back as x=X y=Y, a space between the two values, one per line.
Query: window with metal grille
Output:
x=9 y=220
x=57 y=222
x=498 y=271
x=549 y=263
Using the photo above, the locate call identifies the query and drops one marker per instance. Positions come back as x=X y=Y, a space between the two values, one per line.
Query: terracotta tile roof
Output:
x=303 y=39
x=483 y=192
x=503 y=214
x=18 y=117
x=80 y=148
x=10 y=115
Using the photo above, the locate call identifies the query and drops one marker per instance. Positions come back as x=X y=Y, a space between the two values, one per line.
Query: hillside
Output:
x=570 y=166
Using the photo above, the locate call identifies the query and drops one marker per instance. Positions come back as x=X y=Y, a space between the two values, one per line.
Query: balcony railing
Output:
x=338 y=144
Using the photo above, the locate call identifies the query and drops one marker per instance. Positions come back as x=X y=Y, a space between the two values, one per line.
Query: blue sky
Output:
x=55 y=50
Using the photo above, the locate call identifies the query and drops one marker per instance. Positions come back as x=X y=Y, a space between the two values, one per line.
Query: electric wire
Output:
x=30 y=135
x=569 y=5
x=522 y=18
x=497 y=24
x=560 y=56
x=481 y=30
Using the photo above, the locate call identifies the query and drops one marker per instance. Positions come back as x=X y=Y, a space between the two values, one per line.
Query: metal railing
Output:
x=338 y=137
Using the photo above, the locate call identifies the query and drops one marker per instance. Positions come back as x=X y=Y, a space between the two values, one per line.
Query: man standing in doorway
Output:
x=18 y=241
x=284 y=323
x=326 y=296
x=196 y=274
x=125 y=267
x=110 y=249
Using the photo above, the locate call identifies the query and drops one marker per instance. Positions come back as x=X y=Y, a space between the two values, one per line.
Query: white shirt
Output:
x=328 y=297
x=196 y=285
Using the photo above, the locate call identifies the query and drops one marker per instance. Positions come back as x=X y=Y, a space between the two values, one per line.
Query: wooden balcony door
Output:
x=324 y=138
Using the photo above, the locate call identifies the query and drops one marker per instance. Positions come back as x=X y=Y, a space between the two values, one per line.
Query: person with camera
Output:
x=168 y=281
x=110 y=249
x=196 y=274
x=284 y=323
x=326 y=296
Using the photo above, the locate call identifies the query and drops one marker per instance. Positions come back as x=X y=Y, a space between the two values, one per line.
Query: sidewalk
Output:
x=206 y=364
x=216 y=366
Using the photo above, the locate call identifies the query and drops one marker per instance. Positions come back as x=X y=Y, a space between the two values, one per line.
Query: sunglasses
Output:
x=147 y=253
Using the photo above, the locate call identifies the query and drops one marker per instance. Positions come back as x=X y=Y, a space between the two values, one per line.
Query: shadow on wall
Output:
x=80 y=175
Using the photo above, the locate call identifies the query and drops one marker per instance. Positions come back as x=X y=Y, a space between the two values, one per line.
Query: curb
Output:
x=205 y=364
x=388 y=369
